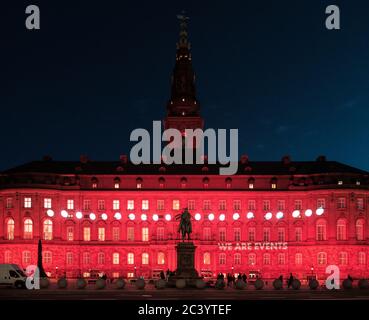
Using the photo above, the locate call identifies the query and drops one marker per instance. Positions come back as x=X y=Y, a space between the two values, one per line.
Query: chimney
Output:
x=286 y=159
x=123 y=158
x=321 y=159
x=244 y=159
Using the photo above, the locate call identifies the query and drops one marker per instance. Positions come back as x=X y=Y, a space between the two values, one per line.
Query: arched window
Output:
x=130 y=258
x=298 y=259
x=94 y=183
x=69 y=258
x=26 y=258
x=206 y=258
x=101 y=258
x=322 y=258
x=7 y=256
x=47 y=257
x=281 y=258
x=361 y=258
x=343 y=258
x=161 y=258
x=228 y=183
x=10 y=229
x=341 y=229
x=145 y=258
x=222 y=259
x=48 y=229
x=321 y=230
x=115 y=258
x=28 y=229
x=86 y=258
x=360 y=230
x=237 y=259
x=251 y=182
x=273 y=183
x=252 y=259
x=266 y=258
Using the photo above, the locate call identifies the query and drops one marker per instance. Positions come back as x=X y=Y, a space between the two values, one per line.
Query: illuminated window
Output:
x=28 y=229
x=130 y=275
x=10 y=229
x=47 y=203
x=274 y=186
x=130 y=205
x=298 y=204
x=145 y=234
x=251 y=234
x=251 y=259
x=161 y=258
x=145 y=204
x=298 y=234
x=341 y=203
x=321 y=230
x=176 y=205
x=341 y=230
x=8 y=257
x=26 y=258
x=360 y=203
x=101 y=258
x=86 y=234
x=281 y=258
x=101 y=234
x=251 y=186
x=9 y=203
x=145 y=258
x=101 y=204
x=115 y=258
x=360 y=230
x=47 y=257
x=116 y=233
x=207 y=234
x=116 y=204
x=340 y=182
x=130 y=233
x=237 y=259
x=298 y=258
x=281 y=234
x=86 y=204
x=86 y=258
x=222 y=258
x=206 y=258
x=281 y=205
x=222 y=234
x=69 y=258
x=266 y=205
x=266 y=234
x=266 y=258
x=222 y=205
x=94 y=185
x=191 y=204
x=70 y=204
x=130 y=258
x=115 y=275
x=251 y=182
x=70 y=233
x=320 y=203
x=48 y=229
x=237 y=234
x=160 y=204
x=251 y=205
x=236 y=204
x=28 y=202
x=207 y=205
x=322 y=258
x=343 y=258
x=160 y=233
x=361 y=258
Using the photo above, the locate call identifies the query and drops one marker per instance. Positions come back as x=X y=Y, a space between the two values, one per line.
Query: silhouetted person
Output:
x=350 y=278
x=162 y=275
x=244 y=277
x=290 y=280
x=239 y=277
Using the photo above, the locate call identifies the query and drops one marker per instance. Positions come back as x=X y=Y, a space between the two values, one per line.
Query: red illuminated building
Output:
x=271 y=217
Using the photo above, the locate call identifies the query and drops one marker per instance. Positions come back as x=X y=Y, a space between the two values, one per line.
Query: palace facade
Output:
x=271 y=217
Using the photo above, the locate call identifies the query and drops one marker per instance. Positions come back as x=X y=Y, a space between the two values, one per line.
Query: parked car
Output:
x=12 y=275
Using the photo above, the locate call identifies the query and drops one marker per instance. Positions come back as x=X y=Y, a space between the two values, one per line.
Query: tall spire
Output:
x=183 y=102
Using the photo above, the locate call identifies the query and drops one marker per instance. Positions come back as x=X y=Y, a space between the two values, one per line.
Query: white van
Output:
x=12 y=275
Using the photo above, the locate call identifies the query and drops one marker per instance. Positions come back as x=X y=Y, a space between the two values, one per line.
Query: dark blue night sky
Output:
x=97 y=70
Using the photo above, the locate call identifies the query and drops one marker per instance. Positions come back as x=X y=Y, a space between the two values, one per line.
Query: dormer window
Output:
x=273 y=183
x=358 y=182
x=340 y=182
x=183 y=183
x=161 y=183
x=94 y=183
x=205 y=182
x=138 y=183
x=228 y=182
x=251 y=183
x=116 y=183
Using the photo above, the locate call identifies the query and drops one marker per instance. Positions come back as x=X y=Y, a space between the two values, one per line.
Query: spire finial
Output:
x=183 y=34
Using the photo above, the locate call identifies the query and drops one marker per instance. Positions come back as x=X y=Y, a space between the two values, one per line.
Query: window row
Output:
x=191 y=204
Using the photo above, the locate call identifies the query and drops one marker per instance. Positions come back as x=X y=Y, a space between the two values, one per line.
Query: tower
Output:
x=183 y=109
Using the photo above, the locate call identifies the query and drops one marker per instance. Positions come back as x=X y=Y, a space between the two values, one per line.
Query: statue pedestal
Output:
x=185 y=264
